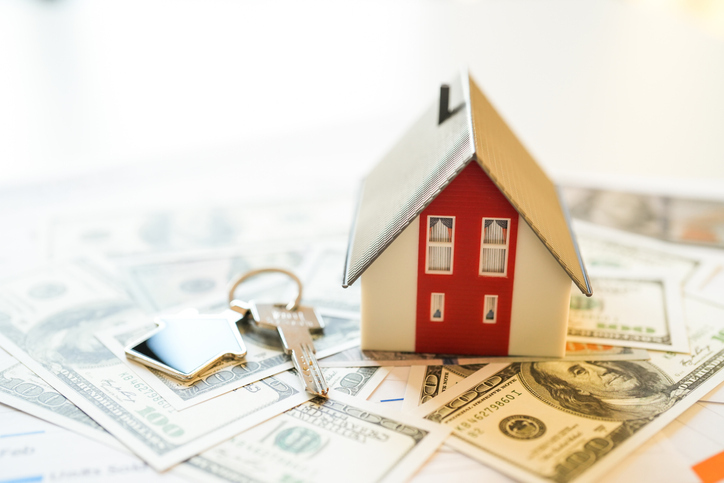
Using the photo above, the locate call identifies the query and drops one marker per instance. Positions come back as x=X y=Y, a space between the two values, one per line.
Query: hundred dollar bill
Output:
x=177 y=280
x=603 y=247
x=358 y=382
x=21 y=389
x=265 y=357
x=563 y=421
x=164 y=282
x=297 y=447
x=34 y=450
x=24 y=390
x=426 y=382
x=324 y=440
x=671 y=218
x=636 y=310
x=574 y=351
x=48 y=320
x=140 y=233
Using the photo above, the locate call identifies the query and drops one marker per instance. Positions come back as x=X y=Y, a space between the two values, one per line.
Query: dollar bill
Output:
x=34 y=450
x=563 y=421
x=265 y=357
x=636 y=310
x=21 y=389
x=48 y=320
x=140 y=233
x=177 y=280
x=357 y=382
x=171 y=281
x=324 y=440
x=574 y=351
x=24 y=390
x=603 y=247
x=671 y=218
x=426 y=382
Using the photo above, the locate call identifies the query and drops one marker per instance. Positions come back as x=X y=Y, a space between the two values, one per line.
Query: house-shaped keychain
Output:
x=461 y=241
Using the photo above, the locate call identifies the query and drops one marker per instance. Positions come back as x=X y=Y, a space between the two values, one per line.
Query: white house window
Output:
x=437 y=307
x=494 y=246
x=440 y=238
x=490 y=309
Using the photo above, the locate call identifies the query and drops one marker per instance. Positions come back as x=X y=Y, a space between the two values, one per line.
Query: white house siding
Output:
x=389 y=295
x=541 y=297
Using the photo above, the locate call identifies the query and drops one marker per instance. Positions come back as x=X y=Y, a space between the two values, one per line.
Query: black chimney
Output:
x=444 y=103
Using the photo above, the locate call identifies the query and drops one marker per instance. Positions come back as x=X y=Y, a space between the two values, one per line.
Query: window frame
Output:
x=429 y=244
x=442 y=307
x=495 y=308
x=484 y=245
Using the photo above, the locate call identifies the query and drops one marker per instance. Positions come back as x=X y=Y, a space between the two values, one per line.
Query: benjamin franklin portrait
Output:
x=613 y=390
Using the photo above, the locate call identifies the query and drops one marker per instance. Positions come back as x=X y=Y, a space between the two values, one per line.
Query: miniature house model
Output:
x=461 y=241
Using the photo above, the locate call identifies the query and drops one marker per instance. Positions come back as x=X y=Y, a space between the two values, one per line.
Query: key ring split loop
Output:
x=252 y=273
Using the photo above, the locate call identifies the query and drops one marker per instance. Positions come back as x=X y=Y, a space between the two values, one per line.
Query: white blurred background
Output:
x=591 y=87
x=133 y=104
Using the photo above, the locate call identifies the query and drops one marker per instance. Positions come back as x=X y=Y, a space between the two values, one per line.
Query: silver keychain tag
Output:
x=187 y=344
x=294 y=324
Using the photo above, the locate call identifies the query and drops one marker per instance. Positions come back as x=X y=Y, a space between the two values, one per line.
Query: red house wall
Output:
x=469 y=197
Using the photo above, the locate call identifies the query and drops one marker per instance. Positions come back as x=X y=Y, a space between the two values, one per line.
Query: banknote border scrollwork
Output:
x=368 y=417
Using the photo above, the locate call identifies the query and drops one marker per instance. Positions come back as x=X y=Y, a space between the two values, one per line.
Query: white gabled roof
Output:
x=427 y=159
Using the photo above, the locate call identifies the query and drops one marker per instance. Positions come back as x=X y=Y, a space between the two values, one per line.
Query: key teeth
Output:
x=320 y=382
x=312 y=374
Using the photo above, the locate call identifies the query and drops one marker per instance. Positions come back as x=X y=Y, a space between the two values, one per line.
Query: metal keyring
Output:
x=290 y=306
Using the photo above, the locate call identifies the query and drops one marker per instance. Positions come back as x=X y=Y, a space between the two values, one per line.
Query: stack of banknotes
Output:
x=648 y=345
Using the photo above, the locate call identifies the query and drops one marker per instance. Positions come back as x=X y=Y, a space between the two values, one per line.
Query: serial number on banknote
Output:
x=484 y=413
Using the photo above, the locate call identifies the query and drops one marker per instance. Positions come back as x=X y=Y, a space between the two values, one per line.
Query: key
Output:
x=293 y=322
x=294 y=328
